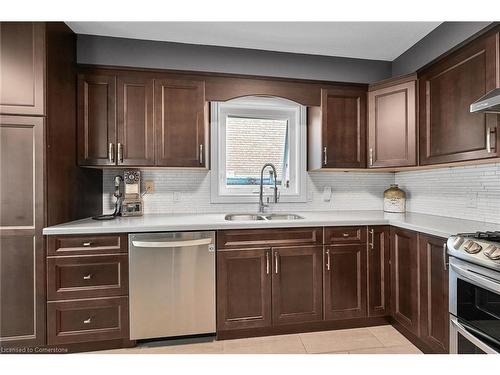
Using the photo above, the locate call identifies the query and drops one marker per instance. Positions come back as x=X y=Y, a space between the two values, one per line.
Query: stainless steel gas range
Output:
x=474 y=293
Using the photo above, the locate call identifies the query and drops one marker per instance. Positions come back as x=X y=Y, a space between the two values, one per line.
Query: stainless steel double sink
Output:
x=263 y=217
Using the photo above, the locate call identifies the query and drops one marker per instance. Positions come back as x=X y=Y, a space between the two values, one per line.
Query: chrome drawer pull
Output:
x=267 y=262
x=87 y=277
x=328 y=260
x=87 y=244
x=325 y=158
x=345 y=234
x=372 y=234
x=87 y=321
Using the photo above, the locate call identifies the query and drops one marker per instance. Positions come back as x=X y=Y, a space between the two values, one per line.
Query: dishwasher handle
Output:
x=199 y=242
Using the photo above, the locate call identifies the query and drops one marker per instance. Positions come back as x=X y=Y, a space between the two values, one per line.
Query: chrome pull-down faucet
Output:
x=262 y=205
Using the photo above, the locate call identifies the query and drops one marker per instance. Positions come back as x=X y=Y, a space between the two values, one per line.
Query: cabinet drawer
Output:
x=343 y=235
x=87 y=244
x=87 y=320
x=251 y=238
x=87 y=277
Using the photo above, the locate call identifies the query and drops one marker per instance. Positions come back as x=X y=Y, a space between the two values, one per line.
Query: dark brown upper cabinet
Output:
x=135 y=129
x=22 y=72
x=297 y=288
x=392 y=135
x=337 y=130
x=405 y=279
x=448 y=131
x=96 y=119
x=379 y=248
x=434 y=293
x=345 y=281
x=180 y=123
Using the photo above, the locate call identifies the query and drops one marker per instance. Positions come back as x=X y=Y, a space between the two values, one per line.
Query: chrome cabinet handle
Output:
x=120 y=152
x=111 y=152
x=201 y=154
x=267 y=262
x=371 y=156
x=276 y=262
x=488 y=140
x=87 y=244
x=445 y=263
x=372 y=242
x=87 y=277
x=345 y=234
x=87 y=321
x=325 y=158
x=328 y=259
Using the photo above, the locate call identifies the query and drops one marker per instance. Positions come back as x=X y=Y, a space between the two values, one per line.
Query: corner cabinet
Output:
x=337 y=129
x=392 y=117
x=448 y=131
x=137 y=119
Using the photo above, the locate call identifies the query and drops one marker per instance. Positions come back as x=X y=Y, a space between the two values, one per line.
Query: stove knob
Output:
x=457 y=242
x=496 y=254
x=492 y=252
x=472 y=247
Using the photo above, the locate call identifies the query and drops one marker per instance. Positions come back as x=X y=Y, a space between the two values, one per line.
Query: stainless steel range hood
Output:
x=487 y=103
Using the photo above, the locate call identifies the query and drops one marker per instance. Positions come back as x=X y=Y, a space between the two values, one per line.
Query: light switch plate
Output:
x=149 y=186
x=327 y=193
x=472 y=200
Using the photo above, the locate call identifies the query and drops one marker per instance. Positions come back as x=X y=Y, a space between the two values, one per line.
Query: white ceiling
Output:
x=365 y=40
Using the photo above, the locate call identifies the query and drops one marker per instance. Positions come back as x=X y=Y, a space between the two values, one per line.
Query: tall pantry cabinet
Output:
x=41 y=184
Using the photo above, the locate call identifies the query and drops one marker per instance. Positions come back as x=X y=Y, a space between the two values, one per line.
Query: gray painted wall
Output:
x=167 y=55
x=438 y=41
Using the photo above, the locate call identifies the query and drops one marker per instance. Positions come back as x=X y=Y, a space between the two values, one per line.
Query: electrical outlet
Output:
x=149 y=186
x=472 y=200
x=177 y=196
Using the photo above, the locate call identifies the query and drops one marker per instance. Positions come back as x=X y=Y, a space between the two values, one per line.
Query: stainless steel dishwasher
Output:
x=172 y=284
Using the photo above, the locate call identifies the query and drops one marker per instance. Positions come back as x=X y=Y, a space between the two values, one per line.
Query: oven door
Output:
x=474 y=308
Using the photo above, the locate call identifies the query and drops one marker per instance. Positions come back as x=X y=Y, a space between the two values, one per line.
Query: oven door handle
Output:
x=469 y=336
x=476 y=278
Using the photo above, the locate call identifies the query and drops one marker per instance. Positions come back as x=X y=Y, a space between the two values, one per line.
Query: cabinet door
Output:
x=180 y=123
x=22 y=73
x=243 y=289
x=448 y=131
x=434 y=293
x=22 y=259
x=405 y=266
x=345 y=282
x=96 y=119
x=297 y=286
x=379 y=274
x=135 y=130
x=392 y=126
x=344 y=128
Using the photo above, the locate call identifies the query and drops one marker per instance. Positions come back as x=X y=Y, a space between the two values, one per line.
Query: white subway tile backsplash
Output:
x=350 y=191
x=448 y=191
x=444 y=192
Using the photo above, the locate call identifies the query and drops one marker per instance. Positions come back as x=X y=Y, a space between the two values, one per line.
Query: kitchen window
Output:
x=249 y=132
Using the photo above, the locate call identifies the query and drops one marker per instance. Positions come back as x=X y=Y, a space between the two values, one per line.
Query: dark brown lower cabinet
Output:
x=296 y=284
x=379 y=274
x=405 y=280
x=434 y=293
x=243 y=289
x=345 y=282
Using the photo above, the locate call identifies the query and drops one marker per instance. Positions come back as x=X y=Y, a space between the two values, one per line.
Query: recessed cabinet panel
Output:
x=135 y=130
x=434 y=293
x=22 y=73
x=345 y=282
x=180 y=123
x=379 y=246
x=392 y=126
x=448 y=131
x=96 y=120
x=344 y=128
x=405 y=278
x=243 y=289
x=297 y=286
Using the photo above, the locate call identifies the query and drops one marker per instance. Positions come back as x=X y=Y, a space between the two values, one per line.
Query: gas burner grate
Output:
x=489 y=236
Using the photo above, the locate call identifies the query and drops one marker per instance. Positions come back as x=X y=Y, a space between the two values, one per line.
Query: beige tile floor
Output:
x=371 y=340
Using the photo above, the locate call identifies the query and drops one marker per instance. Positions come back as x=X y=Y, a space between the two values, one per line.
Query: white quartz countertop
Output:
x=431 y=224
